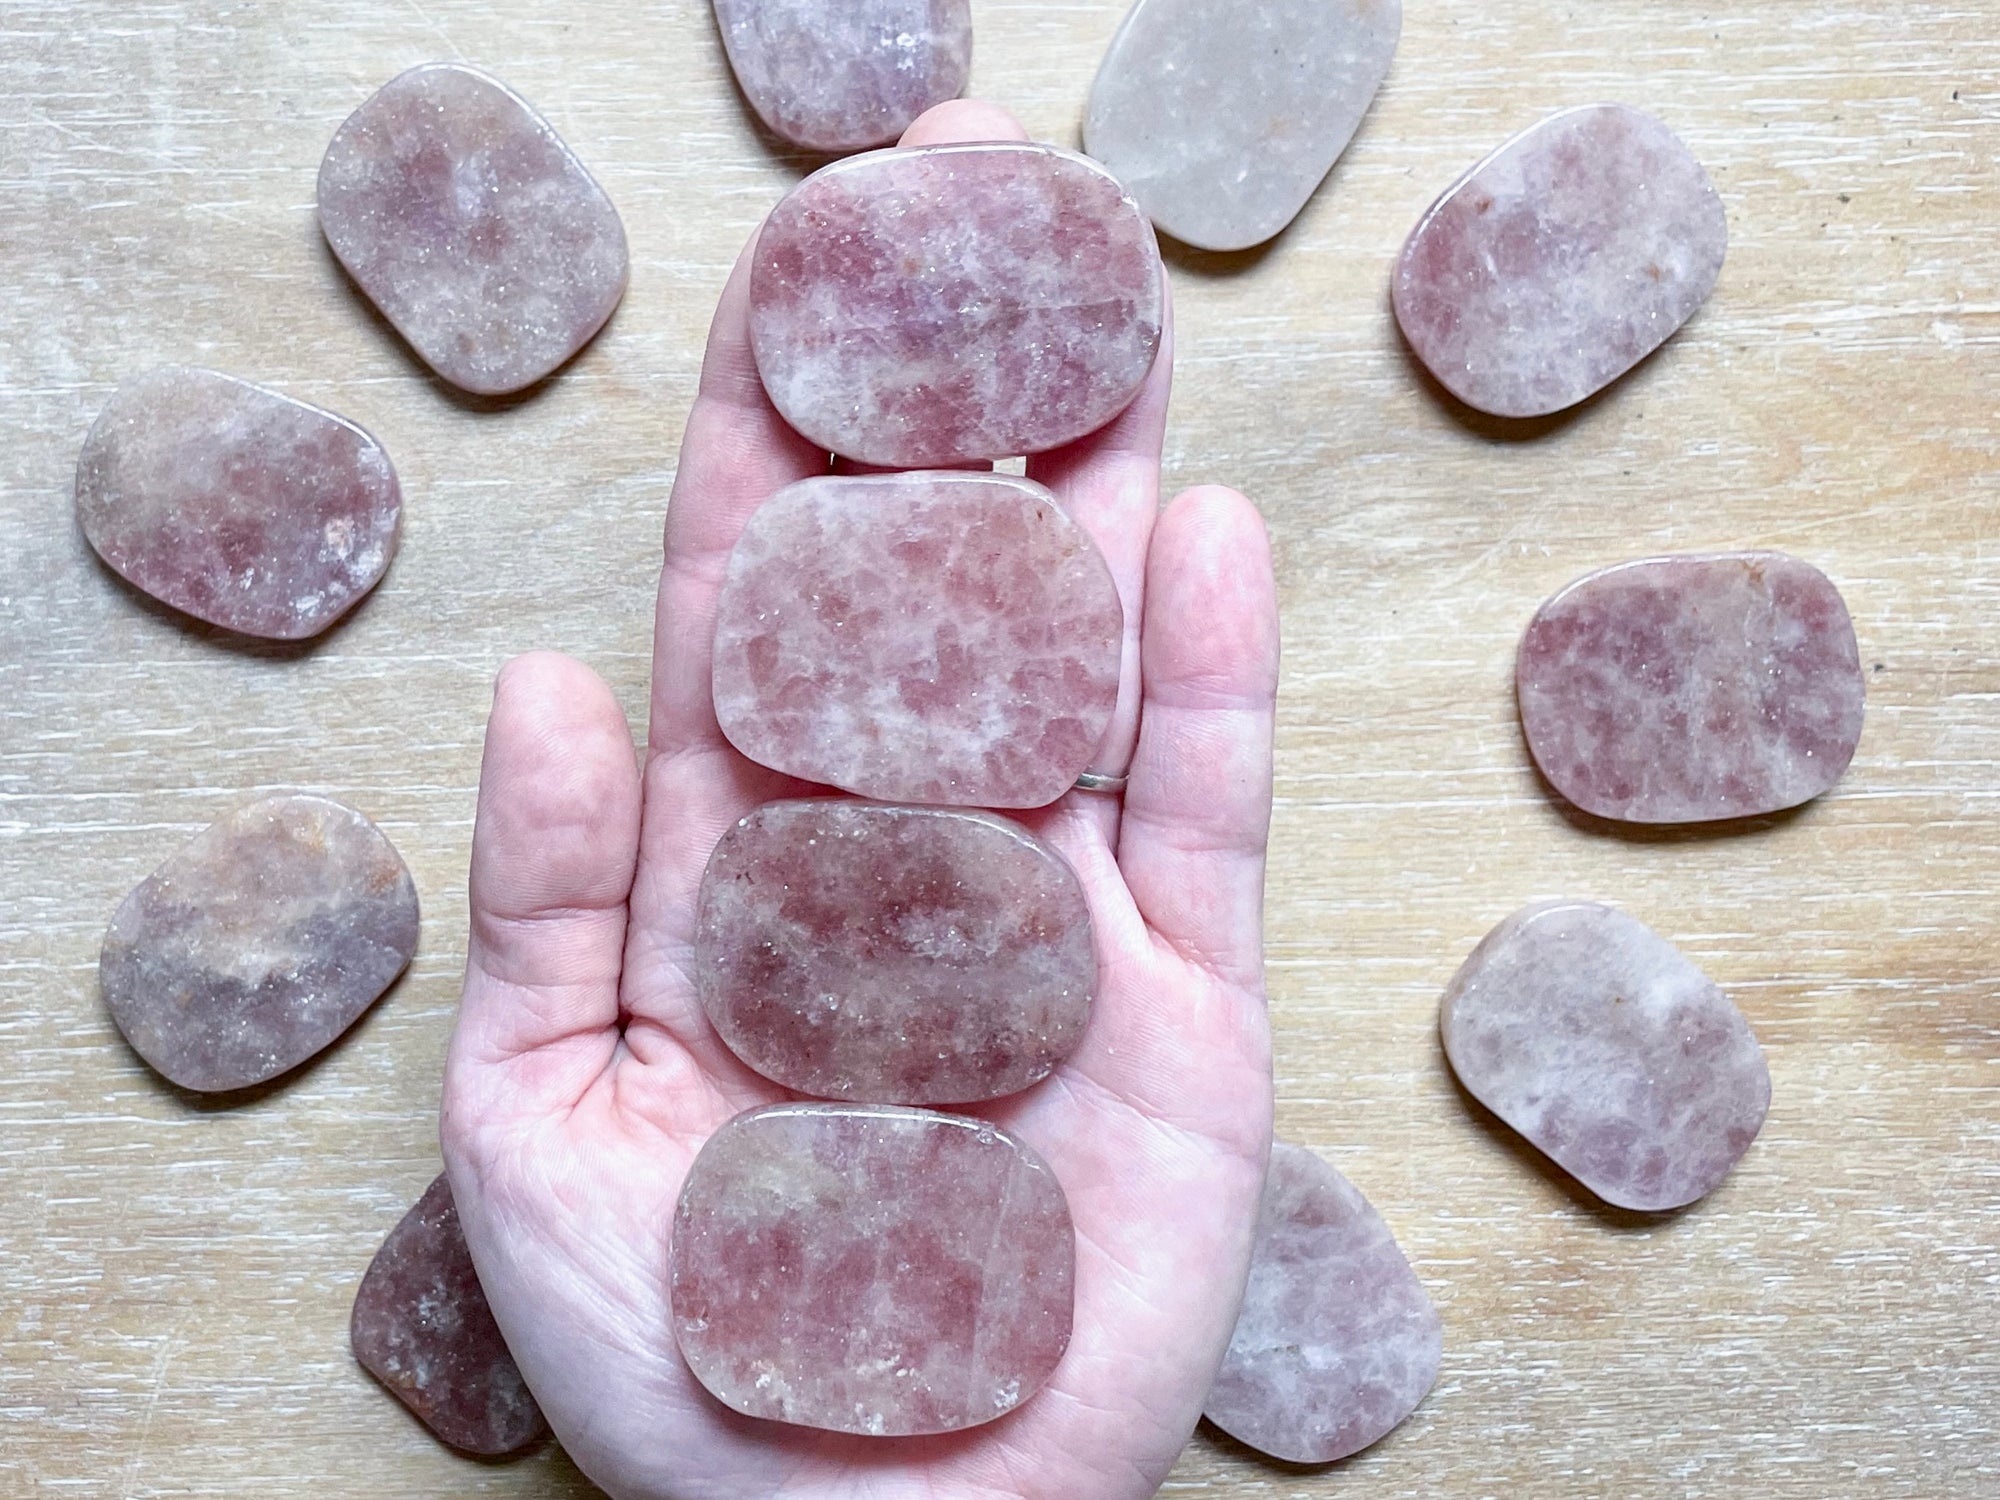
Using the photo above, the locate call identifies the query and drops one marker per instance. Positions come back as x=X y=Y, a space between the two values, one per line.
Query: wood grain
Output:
x=175 y=1280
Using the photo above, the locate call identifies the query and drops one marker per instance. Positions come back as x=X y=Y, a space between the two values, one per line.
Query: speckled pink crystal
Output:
x=476 y=231
x=1594 y=1037
x=1561 y=261
x=256 y=945
x=1687 y=689
x=898 y=955
x=944 y=638
x=235 y=504
x=842 y=77
x=421 y=1326
x=945 y=304
x=871 y=1270
x=1337 y=1342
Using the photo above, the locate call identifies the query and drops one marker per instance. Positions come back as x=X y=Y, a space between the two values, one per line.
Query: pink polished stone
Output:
x=255 y=946
x=947 y=638
x=949 y=304
x=846 y=76
x=1687 y=689
x=421 y=1326
x=898 y=955
x=476 y=231
x=870 y=1269
x=1561 y=261
x=1595 y=1038
x=235 y=504
x=1337 y=1342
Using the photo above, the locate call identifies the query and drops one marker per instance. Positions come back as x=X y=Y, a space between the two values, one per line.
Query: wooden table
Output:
x=175 y=1281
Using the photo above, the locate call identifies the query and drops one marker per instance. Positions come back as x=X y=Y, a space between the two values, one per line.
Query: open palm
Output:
x=584 y=1076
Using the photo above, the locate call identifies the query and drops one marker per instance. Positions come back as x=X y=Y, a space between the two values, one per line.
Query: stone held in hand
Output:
x=1561 y=261
x=869 y=1269
x=421 y=1325
x=894 y=955
x=1596 y=1039
x=848 y=76
x=259 y=943
x=464 y=217
x=933 y=637
x=951 y=304
x=235 y=504
x=1337 y=1342
x=1223 y=118
x=1694 y=688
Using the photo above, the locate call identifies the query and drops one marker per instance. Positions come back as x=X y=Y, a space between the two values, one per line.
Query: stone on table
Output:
x=898 y=955
x=944 y=637
x=1693 y=688
x=950 y=304
x=843 y=77
x=1337 y=1342
x=1561 y=261
x=421 y=1326
x=235 y=504
x=464 y=217
x=869 y=1269
x=1596 y=1039
x=1222 y=118
x=259 y=943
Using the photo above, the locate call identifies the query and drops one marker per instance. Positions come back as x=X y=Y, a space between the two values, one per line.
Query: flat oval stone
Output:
x=235 y=504
x=256 y=945
x=462 y=215
x=1687 y=689
x=1594 y=1037
x=867 y=1269
x=899 y=955
x=422 y=1327
x=952 y=304
x=944 y=638
x=848 y=76
x=1561 y=261
x=1222 y=118
x=1337 y=1342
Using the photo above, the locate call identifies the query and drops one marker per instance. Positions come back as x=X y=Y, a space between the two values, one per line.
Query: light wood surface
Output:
x=175 y=1280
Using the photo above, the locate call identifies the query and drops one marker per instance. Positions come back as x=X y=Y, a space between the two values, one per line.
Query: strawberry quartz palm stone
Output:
x=949 y=304
x=869 y=1269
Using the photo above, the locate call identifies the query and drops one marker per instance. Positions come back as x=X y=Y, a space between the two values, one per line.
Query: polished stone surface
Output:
x=1561 y=261
x=235 y=504
x=257 y=944
x=421 y=1326
x=946 y=638
x=874 y=1270
x=1689 y=689
x=1337 y=1342
x=898 y=955
x=1222 y=118
x=927 y=307
x=843 y=77
x=462 y=215
x=1595 y=1038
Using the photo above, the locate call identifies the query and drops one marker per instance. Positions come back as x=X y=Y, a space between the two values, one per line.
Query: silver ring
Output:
x=1097 y=781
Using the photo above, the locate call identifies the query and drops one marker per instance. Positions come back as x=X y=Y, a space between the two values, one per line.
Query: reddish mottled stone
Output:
x=421 y=1326
x=898 y=955
x=1337 y=1342
x=946 y=638
x=259 y=943
x=846 y=76
x=947 y=304
x=1595 y=1038
x=1561 y=261
x=476 y=231
x=235 y=504
x=1687 y=689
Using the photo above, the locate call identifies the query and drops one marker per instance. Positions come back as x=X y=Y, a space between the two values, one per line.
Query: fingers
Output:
x=963 y=120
